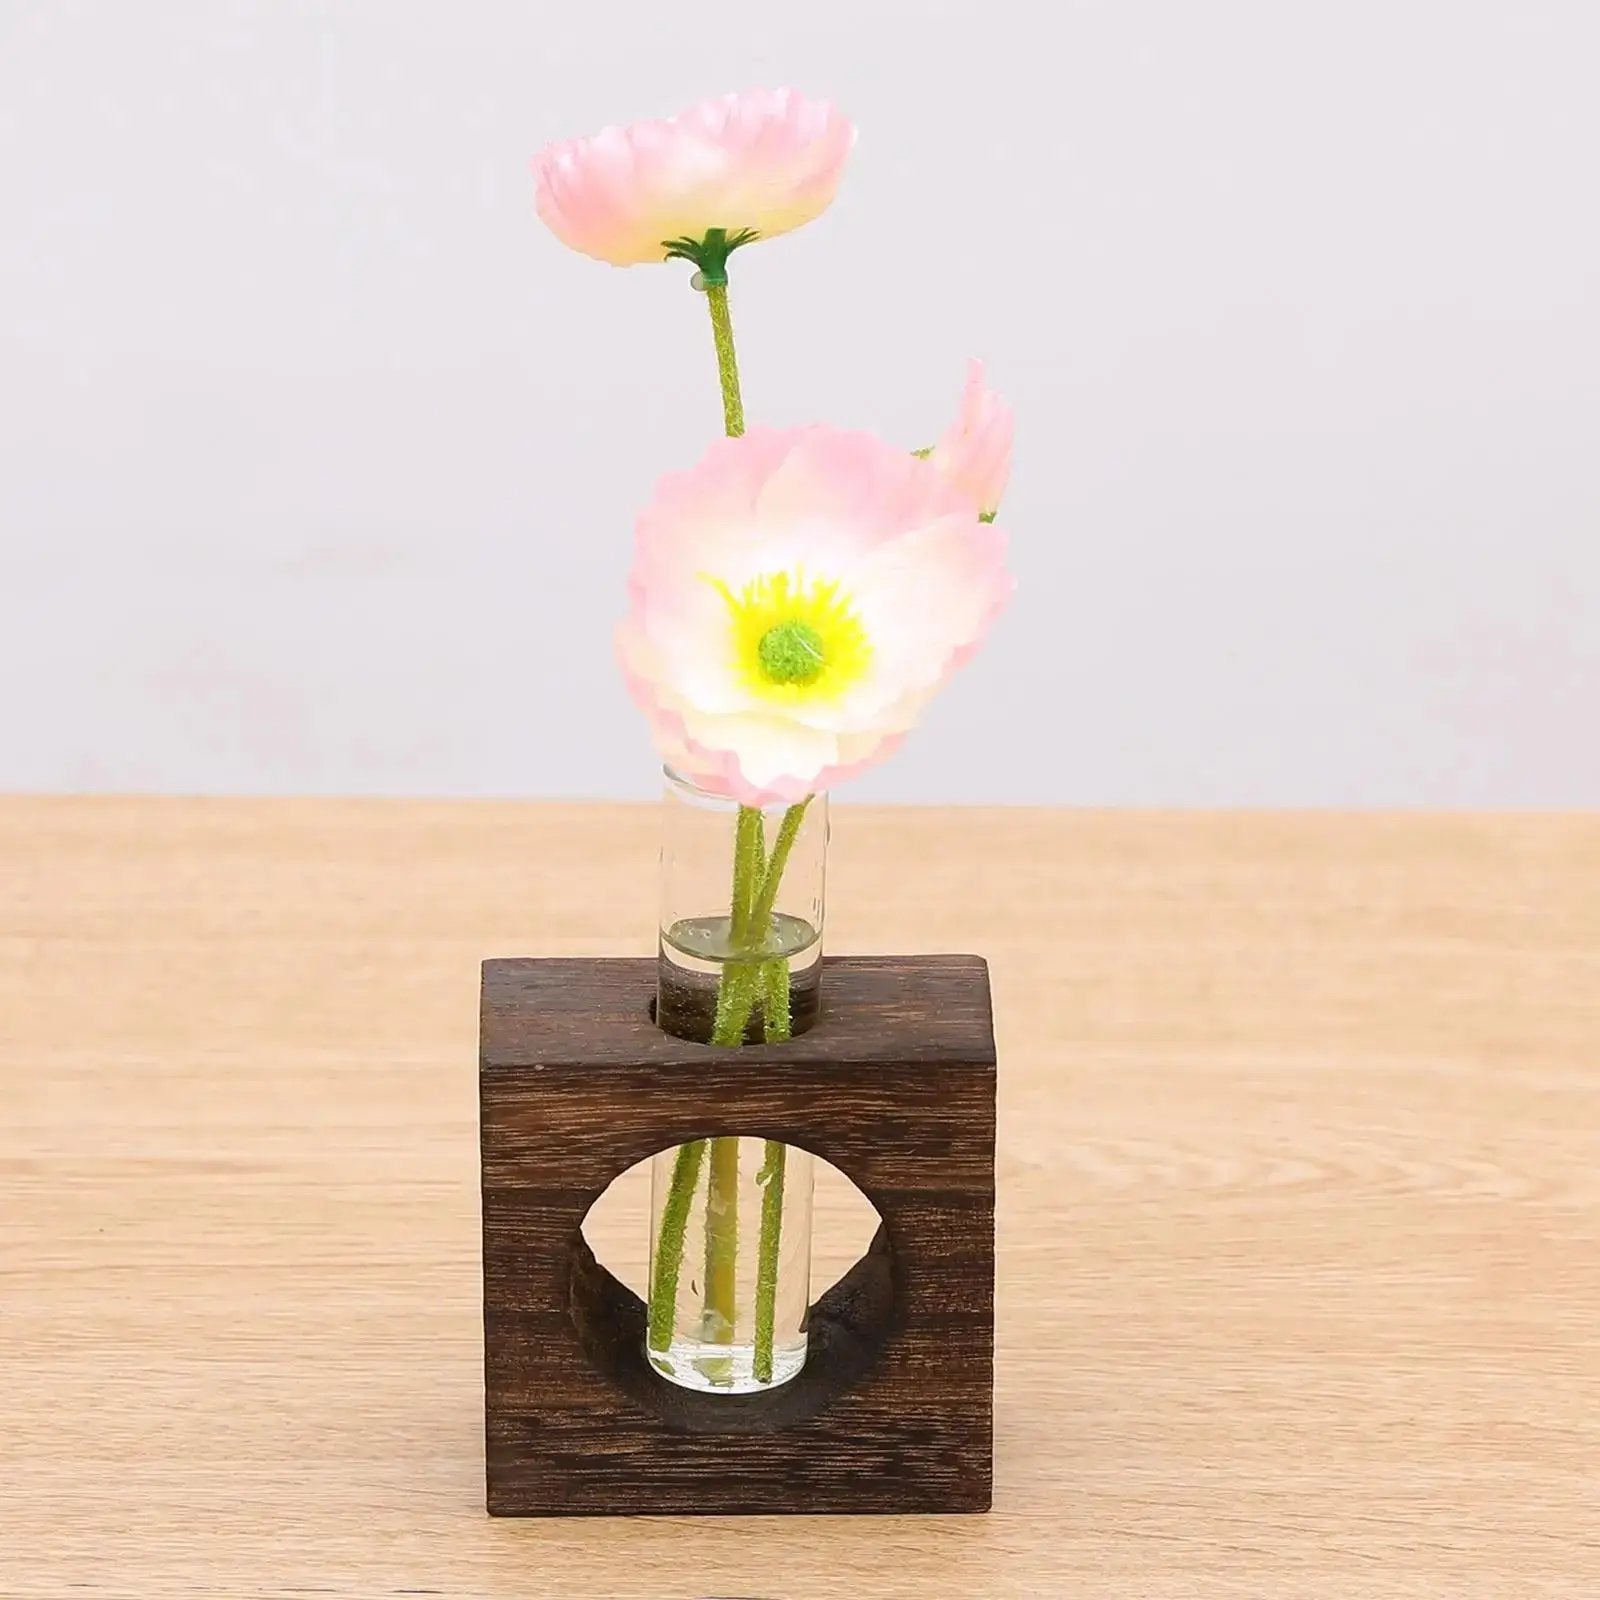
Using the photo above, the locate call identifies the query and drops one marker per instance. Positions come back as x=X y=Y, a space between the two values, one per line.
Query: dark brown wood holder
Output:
x=896 y=1087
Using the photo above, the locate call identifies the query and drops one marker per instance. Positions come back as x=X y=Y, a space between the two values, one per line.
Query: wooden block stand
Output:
x=895 y=1086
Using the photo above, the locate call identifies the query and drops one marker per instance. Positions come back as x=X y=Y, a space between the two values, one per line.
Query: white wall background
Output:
x=318 y=456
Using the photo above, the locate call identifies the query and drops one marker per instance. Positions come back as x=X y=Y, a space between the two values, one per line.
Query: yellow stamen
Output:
x=795 y=640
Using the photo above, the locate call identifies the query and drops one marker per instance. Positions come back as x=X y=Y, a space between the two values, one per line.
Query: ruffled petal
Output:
x=974 y=452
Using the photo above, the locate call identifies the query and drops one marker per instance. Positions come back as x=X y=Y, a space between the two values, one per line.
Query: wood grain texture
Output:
x=895 y=1086
x=1298 y=1279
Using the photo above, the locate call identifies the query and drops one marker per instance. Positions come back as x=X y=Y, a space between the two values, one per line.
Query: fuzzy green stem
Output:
x=788 y=832
x=736 y=991
x=735 y=999
x=778 y=1025
x=756 y=879
x=727 y=359
x=771 y=1181
x=669 y=1243
x=775 y=1010
x=749 y=869
x=722 y=1250
x=742 y=983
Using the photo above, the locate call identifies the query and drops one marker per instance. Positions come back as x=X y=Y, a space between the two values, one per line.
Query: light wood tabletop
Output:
x=1299 y=1284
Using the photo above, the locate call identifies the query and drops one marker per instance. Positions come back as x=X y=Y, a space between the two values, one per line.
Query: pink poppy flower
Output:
x=745 y=166
x=796 y=600
x=975 y=451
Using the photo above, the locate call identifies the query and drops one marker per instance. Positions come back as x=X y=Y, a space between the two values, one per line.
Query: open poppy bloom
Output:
x=726 y=171
x=796 y=599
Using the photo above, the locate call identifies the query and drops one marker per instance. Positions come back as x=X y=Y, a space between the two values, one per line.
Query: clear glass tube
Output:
x=742 y=893
x=738 y=1214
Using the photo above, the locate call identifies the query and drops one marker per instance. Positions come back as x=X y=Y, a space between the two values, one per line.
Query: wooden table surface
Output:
x=1299 y=1288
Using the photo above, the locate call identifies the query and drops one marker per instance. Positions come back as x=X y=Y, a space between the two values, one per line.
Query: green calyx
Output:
x=791 y=653
x=709 y=254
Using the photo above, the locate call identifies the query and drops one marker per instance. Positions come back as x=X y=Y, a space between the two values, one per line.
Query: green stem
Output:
x=735 y=998
x=740 y=988
x=756 y=879
x=722 y=1250
x=669 y=1243
x=736 y=990
x=788 y=832
x=749 y=869
x=742 y=983
x=727 y=359
x=771 y=1181
x=775 y=1009
x=736 y=994
x=778 y=1025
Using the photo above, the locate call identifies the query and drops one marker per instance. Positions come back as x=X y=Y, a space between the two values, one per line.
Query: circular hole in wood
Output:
x=853 y=1305
x=843 y=1223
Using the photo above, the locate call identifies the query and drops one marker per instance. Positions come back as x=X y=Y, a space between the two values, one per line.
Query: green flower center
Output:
x=791 y=652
